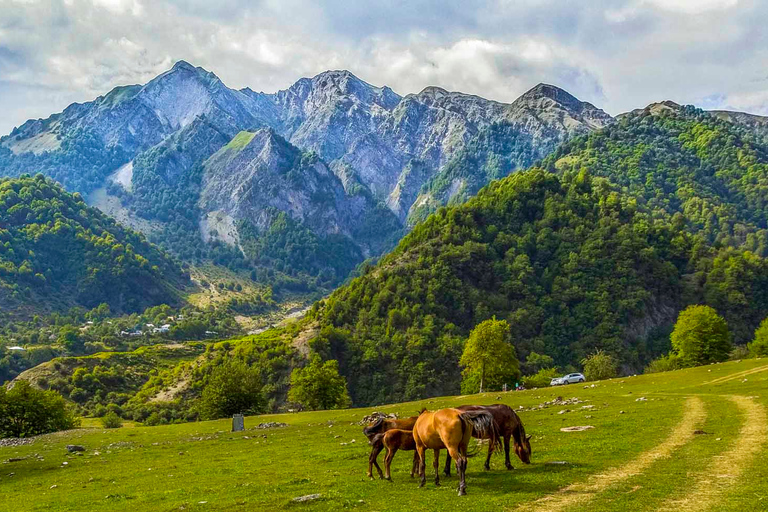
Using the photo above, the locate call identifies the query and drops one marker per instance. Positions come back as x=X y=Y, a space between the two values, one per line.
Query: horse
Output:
x=394 y=440
x=509 y=426
x=380 y=426
x=451 y=429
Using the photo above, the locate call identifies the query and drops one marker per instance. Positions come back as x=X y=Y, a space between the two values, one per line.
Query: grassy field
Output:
x=642 y=454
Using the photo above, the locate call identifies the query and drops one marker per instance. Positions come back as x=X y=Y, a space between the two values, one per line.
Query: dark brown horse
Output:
x=451 y=429
x=379 y=427
x=509 y=425
x=394 y=440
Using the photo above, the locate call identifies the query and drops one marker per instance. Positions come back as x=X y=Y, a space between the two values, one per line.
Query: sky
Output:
x=618 y=55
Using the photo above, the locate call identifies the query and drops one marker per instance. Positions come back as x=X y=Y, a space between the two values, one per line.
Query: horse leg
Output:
x=487 y=466
x=415 y=466
x=447 y=471
x=460 y=467
x=372 y=461
x=388 y=460
x=422 y=464
x=506 y=452
x=436 y=465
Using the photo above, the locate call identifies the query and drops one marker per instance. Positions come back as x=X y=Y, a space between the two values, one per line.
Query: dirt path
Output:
x=728 y=467
x=577 y=495
x=739 y=375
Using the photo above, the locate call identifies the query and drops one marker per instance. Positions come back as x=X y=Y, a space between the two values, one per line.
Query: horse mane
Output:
x=518 y=431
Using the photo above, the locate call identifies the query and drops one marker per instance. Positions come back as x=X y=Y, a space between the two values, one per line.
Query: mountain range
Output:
x=184 y=158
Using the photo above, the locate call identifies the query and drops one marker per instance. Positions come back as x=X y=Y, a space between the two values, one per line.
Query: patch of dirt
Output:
x=169 y=394
x=301 y=342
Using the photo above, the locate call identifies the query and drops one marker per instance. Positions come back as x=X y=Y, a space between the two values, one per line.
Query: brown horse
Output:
x=509 y=426
x=451 y=429
x=379 y=427
x=394 y=440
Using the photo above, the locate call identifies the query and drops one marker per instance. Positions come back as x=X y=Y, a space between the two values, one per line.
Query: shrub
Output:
x=600 y=366
x=111 y=420
x=26 y=411
x=541 y=379
x=759 y=347
x=665 y=363
x=701 y=336
x=152 y=420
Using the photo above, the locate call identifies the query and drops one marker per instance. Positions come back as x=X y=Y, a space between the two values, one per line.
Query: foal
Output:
x=393 y=440
x=379 y=427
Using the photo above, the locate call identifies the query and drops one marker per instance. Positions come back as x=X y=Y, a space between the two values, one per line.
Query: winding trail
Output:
x=739 y=375
x=581 y=493
x=728 y=467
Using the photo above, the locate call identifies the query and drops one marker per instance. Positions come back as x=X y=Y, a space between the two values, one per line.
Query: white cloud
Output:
x=618 y=54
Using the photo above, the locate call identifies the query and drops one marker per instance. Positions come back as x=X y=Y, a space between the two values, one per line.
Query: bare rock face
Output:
x=330 y=151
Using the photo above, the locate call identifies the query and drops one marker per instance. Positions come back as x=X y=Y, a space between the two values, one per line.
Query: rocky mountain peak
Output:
x=553 y=93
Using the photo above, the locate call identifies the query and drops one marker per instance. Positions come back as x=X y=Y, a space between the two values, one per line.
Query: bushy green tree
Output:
x=759 y=346
x=600 y=366
x=701 y=336
x=489 y=357
x=542 y=378
x=534 y=363
x=27 y=411
x=319 y=385
x=232 y=388
x=111 y=420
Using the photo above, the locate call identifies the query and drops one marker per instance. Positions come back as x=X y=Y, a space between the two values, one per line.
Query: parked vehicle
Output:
x=571 y=378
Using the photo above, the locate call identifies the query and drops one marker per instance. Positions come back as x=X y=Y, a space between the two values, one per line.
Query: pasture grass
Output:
x=203 y=466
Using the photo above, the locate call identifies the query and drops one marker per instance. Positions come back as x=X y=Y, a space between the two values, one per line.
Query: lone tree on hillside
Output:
x=759 y=346
x=701 y=336
x=489 y=357
x=319 y=385
x=600 y=366
x=232 y=388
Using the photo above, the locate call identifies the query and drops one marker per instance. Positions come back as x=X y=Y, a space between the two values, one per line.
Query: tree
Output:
x=319 y=385
x=69 y=337
x=26 y=411
x=534 y=363
x=759 y=346
x=600 y=366
x=232 y=388
x=701 y=336
x=489 y=357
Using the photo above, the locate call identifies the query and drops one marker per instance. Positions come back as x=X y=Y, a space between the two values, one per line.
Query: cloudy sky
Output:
x=619 y=55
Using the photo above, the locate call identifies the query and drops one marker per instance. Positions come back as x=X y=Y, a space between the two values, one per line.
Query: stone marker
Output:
x=238 y=423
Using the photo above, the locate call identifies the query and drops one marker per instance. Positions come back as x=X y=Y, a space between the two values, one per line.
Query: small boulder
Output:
x=308 y=497
x=72 y=448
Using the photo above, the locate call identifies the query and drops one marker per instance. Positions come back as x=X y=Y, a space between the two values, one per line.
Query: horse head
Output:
x=523 y=445
x=374 y=427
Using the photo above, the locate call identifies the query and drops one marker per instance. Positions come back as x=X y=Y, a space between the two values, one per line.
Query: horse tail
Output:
x=376 y=439
x=484 y=425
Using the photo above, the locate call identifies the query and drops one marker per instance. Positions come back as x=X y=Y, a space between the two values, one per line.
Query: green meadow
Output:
x=693 y=439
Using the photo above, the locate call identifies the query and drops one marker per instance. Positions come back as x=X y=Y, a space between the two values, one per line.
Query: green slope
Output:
x=642 y=455
x=56 y=252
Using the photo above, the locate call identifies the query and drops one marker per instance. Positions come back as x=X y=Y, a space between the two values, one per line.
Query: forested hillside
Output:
x=710 y=174
x=573 y=264
x=56 y=252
